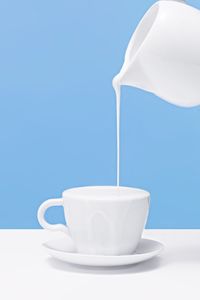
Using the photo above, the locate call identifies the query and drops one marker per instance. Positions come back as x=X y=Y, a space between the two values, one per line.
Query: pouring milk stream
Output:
x=163 y=57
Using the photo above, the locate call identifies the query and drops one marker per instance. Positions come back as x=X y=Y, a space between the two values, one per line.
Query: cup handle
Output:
x=41 y=215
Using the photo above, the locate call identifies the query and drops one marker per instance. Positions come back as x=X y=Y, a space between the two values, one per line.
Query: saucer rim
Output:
x=105 y=261
x=135 y=254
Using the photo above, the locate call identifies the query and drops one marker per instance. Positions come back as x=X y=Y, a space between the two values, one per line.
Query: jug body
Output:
x=163 y=55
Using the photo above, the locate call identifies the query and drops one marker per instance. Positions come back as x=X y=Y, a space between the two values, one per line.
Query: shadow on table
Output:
x=187 y=254
x=146 y=266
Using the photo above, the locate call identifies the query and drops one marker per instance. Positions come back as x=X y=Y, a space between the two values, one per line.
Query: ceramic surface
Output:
x=63 y=250
x=163 y=55
x=106 y=220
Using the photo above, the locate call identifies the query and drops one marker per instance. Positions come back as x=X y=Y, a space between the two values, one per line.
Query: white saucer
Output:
x=62 y=249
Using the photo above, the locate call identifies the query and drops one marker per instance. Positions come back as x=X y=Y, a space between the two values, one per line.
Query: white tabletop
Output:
x=27 y=272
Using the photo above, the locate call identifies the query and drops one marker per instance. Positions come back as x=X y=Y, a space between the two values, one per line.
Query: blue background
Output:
x=57 y=114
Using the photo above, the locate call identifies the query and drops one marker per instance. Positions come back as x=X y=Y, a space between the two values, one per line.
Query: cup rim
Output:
x=117 y=195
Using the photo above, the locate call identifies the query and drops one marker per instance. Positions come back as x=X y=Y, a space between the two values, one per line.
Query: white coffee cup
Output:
x=106 y=220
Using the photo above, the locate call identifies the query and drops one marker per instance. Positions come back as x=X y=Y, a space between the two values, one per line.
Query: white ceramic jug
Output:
x=163 y=55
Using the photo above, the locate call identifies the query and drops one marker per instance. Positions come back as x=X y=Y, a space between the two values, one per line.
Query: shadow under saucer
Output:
x=141 y=267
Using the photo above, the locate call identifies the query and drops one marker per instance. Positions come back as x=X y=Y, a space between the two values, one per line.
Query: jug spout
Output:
x=133 y=74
